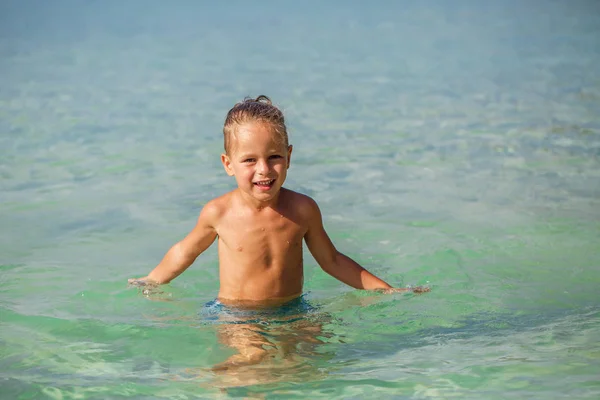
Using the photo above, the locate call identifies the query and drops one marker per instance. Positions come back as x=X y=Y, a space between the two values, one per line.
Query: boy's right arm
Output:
x=185 y=252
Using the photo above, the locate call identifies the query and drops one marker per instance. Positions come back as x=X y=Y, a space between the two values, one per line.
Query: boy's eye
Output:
x=249 y=160
x=274 y=156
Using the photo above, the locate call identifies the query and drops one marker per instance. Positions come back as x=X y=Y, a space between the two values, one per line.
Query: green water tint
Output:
x=445 y=343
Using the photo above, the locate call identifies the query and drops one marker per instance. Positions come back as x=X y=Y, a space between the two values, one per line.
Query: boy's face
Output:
x=258 y=159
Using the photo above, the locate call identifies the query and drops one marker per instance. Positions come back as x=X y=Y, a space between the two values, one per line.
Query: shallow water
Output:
x=453 y=144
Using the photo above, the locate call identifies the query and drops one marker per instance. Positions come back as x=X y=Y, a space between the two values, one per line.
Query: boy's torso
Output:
x=260 y=252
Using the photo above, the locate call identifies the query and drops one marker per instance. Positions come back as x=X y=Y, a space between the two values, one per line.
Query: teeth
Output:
x=265 y=182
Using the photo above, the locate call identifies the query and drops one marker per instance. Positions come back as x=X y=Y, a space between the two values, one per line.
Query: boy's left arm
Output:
x=335 y=263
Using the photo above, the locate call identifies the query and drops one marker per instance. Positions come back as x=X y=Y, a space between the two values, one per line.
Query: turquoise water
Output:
x=454 y=144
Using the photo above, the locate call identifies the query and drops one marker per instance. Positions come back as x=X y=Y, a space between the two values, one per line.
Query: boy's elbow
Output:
x=330 y=263
x=185 y=255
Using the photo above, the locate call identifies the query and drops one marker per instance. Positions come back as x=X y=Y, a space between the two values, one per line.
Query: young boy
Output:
x=260 y=225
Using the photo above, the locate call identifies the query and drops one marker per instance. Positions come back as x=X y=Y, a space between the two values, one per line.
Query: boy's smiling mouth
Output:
x=266 y=184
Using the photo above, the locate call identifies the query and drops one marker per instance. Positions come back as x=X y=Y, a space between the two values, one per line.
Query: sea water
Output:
x=453 y=144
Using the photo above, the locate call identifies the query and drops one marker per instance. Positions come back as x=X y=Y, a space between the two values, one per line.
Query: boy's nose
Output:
x=262 y=166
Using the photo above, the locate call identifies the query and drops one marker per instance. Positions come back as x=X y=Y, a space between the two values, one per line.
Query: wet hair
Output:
x=260 y=109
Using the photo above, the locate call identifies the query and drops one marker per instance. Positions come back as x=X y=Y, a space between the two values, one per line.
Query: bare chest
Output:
x=261 y=239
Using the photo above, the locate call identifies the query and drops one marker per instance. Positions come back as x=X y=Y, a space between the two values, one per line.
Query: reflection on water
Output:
x=247 y=329
x=272 y=353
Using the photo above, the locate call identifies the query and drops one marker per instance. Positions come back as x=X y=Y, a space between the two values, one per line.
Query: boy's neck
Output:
x=257 y=205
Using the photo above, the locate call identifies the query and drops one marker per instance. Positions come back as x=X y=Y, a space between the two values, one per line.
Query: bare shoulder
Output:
x=304 y=205
x=214 y=209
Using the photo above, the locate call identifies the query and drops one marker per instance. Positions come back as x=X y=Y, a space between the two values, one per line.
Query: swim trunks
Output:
x=294 y=310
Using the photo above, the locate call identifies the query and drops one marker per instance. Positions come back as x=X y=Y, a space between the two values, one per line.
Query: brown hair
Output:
x=250 y=110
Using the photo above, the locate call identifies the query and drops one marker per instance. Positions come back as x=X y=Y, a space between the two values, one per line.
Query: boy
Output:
x=260 y=225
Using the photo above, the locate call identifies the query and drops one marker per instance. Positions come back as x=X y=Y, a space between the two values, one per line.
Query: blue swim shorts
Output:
x=294 y=310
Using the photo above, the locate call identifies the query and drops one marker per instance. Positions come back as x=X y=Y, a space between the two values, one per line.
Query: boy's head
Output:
x=257 y=152
x=249 y=110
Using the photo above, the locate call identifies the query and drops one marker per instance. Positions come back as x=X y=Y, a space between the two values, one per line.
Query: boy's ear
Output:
x=289 y=155
x=227 y=164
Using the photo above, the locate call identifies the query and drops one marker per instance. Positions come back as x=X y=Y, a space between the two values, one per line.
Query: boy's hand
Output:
x=416 y=289
x=146 y=285
x=421 y=289
x=141 y=282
